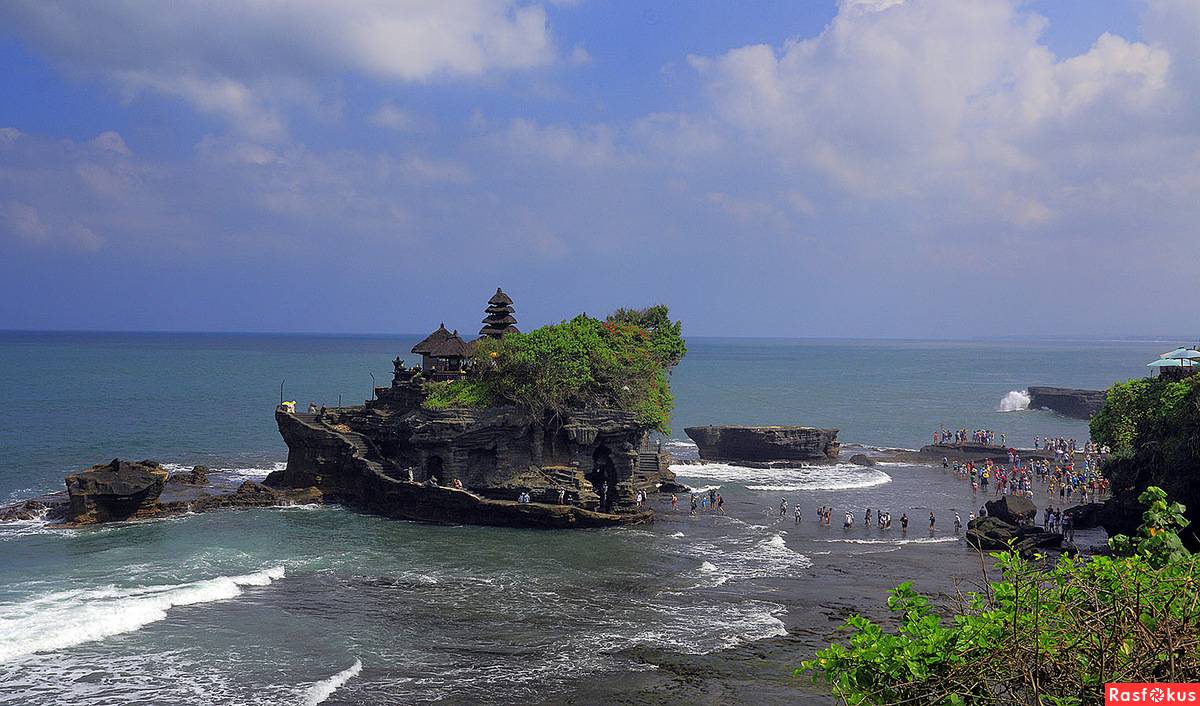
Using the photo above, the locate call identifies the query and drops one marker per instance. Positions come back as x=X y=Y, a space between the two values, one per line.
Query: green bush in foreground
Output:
x=621 y=363
x=1038 y=635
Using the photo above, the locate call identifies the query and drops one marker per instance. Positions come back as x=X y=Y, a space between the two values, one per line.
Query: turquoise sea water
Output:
x=304 y=605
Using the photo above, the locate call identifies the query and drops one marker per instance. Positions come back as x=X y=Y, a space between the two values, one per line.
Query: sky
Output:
x=859 y=168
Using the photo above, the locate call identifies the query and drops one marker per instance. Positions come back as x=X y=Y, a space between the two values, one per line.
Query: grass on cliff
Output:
x=1142 y=411
x=1038 y=635
x=621 y=363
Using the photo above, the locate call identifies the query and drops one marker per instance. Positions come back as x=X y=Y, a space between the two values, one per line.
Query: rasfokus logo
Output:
x=1151 y=694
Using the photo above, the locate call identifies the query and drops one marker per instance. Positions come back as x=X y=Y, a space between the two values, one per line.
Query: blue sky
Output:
x=895 y=168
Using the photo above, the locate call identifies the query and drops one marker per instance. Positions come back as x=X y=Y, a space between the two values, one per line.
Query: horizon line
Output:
x=1094 y=338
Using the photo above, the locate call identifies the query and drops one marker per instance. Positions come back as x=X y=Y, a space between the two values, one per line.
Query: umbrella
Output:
x=1170 y=363
x=1182 y=354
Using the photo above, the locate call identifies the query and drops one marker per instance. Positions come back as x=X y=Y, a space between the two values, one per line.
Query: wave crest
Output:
x=1015 y=401
x=55 y=621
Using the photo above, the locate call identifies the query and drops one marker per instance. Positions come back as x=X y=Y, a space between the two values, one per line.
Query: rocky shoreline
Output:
x=126 y=491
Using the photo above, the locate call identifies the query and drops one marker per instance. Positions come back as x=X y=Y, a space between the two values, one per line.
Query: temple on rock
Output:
x=499 y=320
x=501 y=465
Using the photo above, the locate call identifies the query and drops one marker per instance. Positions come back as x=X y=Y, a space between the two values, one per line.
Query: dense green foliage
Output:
x=1039 y=635
x=619 y=363
x=1146 y=409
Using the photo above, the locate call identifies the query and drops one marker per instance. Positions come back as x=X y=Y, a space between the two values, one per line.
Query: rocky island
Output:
x=545 y=429
x=763 y=444
x=1069 y=402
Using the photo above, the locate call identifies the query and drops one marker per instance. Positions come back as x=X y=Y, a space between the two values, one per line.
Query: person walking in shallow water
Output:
x=904 y=523
x=782 y=507
x=798 y=518
x=957 y=523
x=932 y=522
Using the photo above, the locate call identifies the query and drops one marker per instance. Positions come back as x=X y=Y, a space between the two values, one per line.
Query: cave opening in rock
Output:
x=604 y=478
x=434 y=469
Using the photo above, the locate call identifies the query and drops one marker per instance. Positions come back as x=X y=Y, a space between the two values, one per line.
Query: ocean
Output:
x=309 y=605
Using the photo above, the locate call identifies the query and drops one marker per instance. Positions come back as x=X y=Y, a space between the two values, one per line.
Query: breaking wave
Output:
x=317 y=693
x=915 y=540
x=237 y=474
x=1015 y=401
x=841 y=476
x=62 y=619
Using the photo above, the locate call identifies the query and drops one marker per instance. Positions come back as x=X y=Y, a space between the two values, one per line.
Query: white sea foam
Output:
x=914 y=540
x=317 y=693
x=62 y=619
x=1015 y=401
x=744 y=558
x=677 y=535
x=840 y=476
x=241 y=473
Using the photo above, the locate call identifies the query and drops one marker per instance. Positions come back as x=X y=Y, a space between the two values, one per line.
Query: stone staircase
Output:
x=648 y=461
x=363 y=448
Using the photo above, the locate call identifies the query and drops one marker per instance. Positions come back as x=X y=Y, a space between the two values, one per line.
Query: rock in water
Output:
x=1012 y=509
x=1069 y=402
x=1085 y=516
x=768 y=443
x=197 y=476
x=994 y=533
x=862 y=460
x=115 y=491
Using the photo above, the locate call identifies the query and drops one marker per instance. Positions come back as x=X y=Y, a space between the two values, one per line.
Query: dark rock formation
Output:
x=995 y=533
x=394 y=458
x=197 y=476
x=33 y=510
x=1085 y=516
x=967 y=452
x=862 y=460
x=1014 y=510
x=118 y=490
x=124 y=490
x=768 y=443
x=1069 y=402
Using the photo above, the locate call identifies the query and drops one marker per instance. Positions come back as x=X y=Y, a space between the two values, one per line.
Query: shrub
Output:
x=1038 y=635
x=619 y=363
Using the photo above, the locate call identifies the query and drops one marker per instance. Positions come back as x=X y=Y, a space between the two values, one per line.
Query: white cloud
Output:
x=389 y=116
x=959 y=104
x=232 y=58
x=585 y=147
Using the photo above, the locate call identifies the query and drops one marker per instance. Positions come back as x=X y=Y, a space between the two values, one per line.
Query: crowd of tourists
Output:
x=960 y=437
x=701 y=502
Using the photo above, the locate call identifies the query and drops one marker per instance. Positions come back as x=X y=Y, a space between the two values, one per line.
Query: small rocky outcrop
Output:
x=1069 y=402
x=1085 y=516
x=197 y=476
x=995 y=533
x=125 y=490
x=1014 y=510
x=31 y=510
x=742 y=444
x=115 y=491
x=862 y=460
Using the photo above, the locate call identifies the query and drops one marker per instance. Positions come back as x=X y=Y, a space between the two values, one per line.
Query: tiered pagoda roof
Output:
x=499 y=320
x=433 y=340
x=452 y=347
